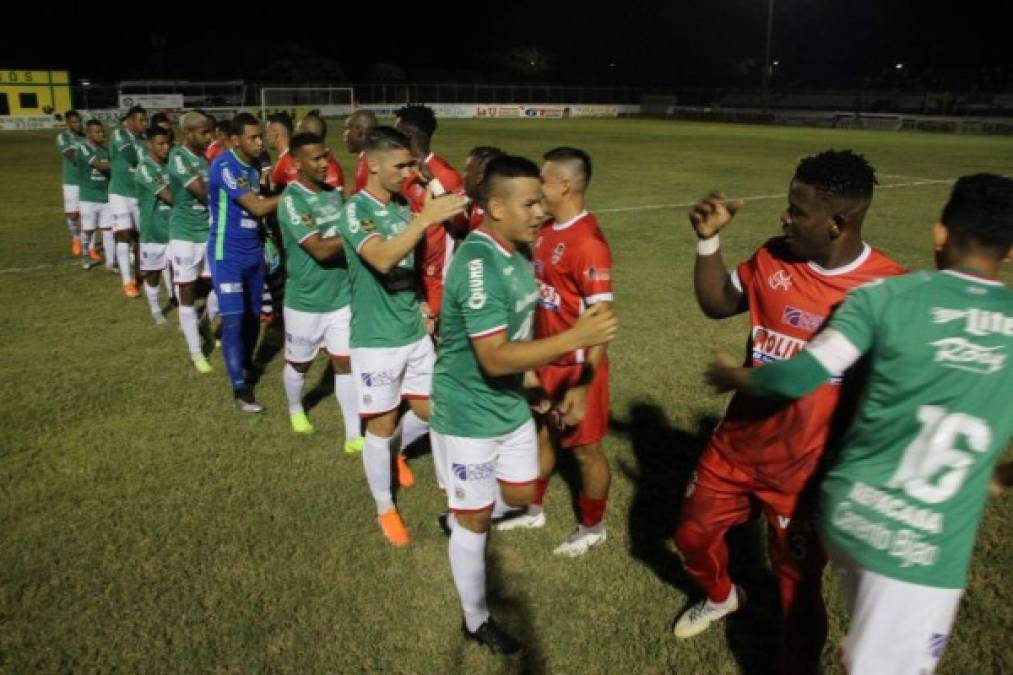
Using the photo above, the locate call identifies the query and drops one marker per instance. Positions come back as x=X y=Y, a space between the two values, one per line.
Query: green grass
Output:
x=146 y=527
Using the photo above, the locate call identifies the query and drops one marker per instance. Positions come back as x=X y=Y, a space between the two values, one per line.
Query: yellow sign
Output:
x=34 y=92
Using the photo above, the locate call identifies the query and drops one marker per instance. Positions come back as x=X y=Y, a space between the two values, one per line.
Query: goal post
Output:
x=332 y=101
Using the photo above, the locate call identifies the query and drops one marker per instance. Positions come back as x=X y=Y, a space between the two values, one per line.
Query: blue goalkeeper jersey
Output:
x=234 y=234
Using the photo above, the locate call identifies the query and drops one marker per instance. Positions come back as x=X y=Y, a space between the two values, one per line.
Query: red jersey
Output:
x=213 y=150
x=780 y=443
x=432 y=255
x=285 y=172
x=475 y=215
x=361 y=173
x=573 y=267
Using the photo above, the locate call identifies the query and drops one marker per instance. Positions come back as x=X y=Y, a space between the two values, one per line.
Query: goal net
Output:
x=332 y=101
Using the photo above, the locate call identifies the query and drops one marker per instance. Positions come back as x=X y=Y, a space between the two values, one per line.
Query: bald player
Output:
x=357 y=126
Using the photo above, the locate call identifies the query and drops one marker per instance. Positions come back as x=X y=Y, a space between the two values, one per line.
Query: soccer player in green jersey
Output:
x=188 y=230
x=317 y=291
x=392 y=355
x=93 y=179
x=482 y=429
x=901 y=505
x=155 y=202
x=67 y=142
x=124 y=155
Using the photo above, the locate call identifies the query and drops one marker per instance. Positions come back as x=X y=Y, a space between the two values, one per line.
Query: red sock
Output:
x=540 y=487
x=591 y=510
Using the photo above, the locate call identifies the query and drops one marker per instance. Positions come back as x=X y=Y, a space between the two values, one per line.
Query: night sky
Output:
x=818 y=43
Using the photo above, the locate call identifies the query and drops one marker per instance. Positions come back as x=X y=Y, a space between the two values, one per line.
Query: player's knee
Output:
x=300 y=367
x=589 y=454
x=689 y=538
x=477 y=522
x=342 y=365
x=517 y=495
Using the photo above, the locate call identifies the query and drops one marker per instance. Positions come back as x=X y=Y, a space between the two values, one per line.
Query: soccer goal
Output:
x=332 y=101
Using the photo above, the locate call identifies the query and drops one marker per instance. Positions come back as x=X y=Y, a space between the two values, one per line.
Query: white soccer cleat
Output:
x=159 y=319
x=580 y=542
x=523 y=521
x=700 y=616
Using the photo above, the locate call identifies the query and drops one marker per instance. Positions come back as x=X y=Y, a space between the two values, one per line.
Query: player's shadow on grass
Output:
x=665 y=457
x=272 y=342
x=324 y=388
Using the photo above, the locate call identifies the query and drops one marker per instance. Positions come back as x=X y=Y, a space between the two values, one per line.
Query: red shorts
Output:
x=594 y=427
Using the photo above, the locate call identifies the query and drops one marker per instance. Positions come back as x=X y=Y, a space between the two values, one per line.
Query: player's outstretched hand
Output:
x=596 y=326
x=725 y=374
x=537 y=398
x=574 y=405
x=712 y=213
x=444 y=207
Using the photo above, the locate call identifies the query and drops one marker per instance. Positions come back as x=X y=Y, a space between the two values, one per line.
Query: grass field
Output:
x=147 y=527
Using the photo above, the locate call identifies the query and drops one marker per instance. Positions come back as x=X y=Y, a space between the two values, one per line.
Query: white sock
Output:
x=151 y=293
x=348 y=401
x=467 y=564
x=188 y=322
x=376 y=462
x=212 y=306
x=108 y=247
x=294 y=381
x=412 y=429
x=167 y=280
x=86 y=239
x=123 y=258
x=72 y=226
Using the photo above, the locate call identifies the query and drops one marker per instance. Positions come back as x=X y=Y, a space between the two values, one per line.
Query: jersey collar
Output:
x=571 y=221
x=967 y=275
x=372 y=196
x=233 y=151
x=494 y=240
x=843 y=269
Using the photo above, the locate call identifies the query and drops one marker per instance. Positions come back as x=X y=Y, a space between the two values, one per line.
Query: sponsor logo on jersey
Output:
x=799 y=318
x=978 y=322
x=379 y=378
x=301 y=340
x=307 y=220
x=598 y=273
x=548 y=297
x=769 y=345
x=227 y=176
x=779 y=281
x=557 y=253
x=480 y=471
x=367 y=225
x=962 y=354
x=476 y=284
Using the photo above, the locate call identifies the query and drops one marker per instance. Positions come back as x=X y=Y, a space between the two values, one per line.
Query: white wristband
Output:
x=708 y=246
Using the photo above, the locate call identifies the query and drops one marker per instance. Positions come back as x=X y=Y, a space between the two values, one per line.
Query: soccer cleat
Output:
x=405 y=476
x=521 y=521
x=159 y=318
x=300 y=423
x=580 y=542
x=443 y=520
x=492 y=636
x=130 y=290
x=75 y=246
x=393 y=527
x=87 y=264
x=354 y=446
x=247 y=404
x=94 y=255
x=201 y=364
x=700 y=616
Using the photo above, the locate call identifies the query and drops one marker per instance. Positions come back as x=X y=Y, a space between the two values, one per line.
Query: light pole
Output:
x=766 y=56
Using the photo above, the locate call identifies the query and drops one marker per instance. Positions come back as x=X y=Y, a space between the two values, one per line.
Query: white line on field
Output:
x=756 y=198
x=620 y=209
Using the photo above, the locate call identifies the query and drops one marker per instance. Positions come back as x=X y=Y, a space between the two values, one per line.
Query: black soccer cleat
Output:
x=443 y=520
x=492 y=636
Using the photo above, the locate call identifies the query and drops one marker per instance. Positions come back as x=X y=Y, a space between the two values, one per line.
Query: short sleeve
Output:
x=857 y=316
x=482 y=298
x=355 y=225
x=230 y=182
x=592 y=270
x=295 y=219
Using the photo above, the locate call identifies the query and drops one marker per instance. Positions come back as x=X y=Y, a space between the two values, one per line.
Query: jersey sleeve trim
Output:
x=488 y=333
x=600 y=297
x=367 y=238
x=834 y=351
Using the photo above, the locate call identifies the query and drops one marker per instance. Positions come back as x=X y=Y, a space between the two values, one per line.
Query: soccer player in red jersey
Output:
x=769 y=452
x=278 y=134
x=313 y=123
x=357 y=125
x=573 y=267
x=474 y=174
x=220 y=143
x=432 y=257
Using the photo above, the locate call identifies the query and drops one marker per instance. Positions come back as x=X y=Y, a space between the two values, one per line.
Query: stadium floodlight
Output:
x=899 y=66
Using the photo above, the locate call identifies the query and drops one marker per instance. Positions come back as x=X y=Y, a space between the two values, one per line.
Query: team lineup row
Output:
x=476 y=309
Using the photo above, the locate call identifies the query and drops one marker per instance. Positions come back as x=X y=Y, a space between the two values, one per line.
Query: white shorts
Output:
x=126 y=213
x=896 y=627
x=385 y=375
x=475 y=467
x=306 y=332
x=153 y=257
x=71 y=198
x=189 y=260
x=95 y=214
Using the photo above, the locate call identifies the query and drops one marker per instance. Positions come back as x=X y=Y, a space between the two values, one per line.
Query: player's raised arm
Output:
x=716 y=294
